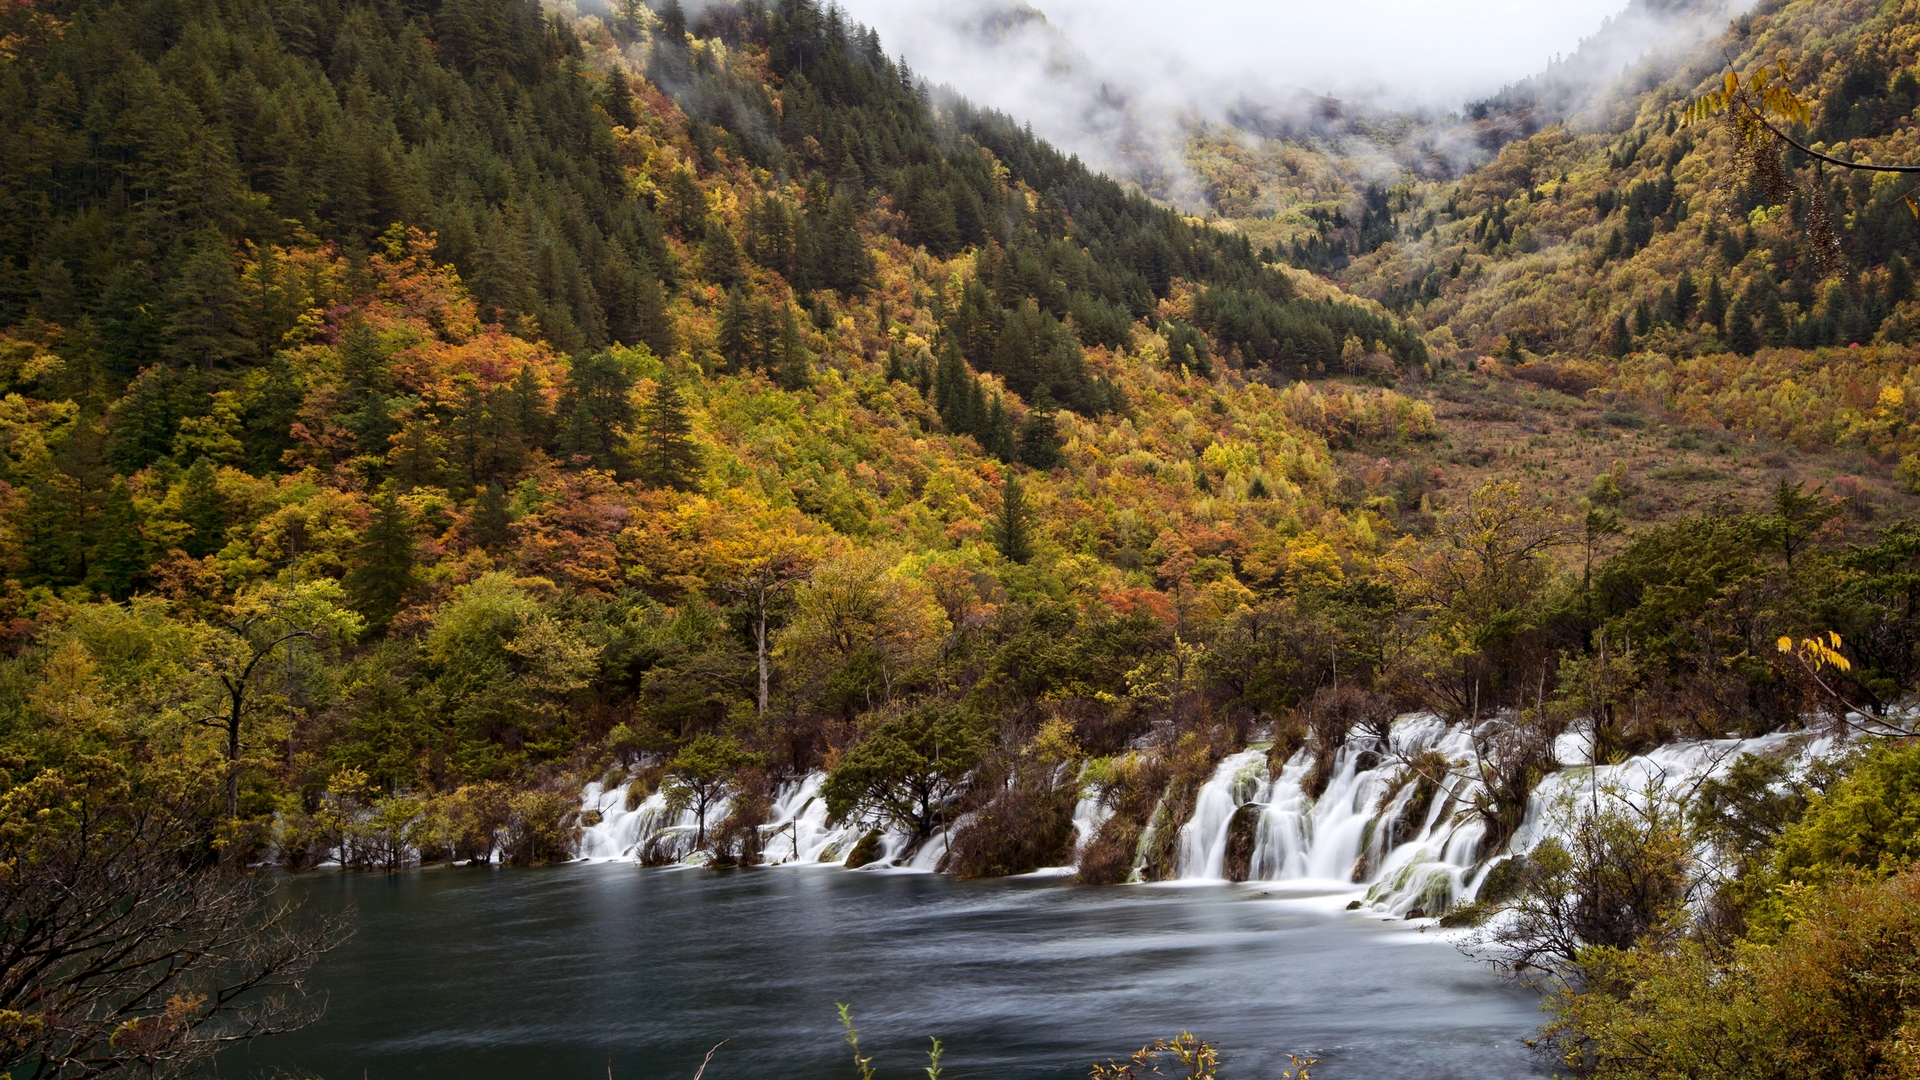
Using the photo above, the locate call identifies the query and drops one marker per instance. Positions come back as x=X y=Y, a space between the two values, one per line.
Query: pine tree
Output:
x=619 y=100
x=378 y=585
x=1685 y=293
x=1899 y=280
x=668 y=456
x=1741 y=337
x=599 y=411
x=1713 y=309
x=52 y=538
x=1013 y=524
x=673 y=23
x=203 y=508
x=204 y=329
x=720 y=256
x=652 y=324
x=997 y=438
x=491 y=517
x=738 y=341
x=1619 y=340
x=523 y=411
x=1039 y=435
x=120 y=552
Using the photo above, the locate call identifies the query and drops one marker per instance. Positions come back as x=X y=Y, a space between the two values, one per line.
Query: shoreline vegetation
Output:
x=413 y=411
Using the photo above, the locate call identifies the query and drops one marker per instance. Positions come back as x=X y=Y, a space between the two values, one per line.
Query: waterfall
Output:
x=1239 y=779
x=798 y=832
x=1409 y=844
x=1408 y=841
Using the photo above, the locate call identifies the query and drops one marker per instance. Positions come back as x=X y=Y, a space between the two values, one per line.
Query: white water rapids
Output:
x=1410 y=848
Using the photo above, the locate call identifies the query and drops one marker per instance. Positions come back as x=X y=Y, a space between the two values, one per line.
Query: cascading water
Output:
x=1407 y=840
x=798 y=832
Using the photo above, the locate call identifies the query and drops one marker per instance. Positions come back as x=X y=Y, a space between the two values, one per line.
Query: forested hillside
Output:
x=434 y=405
x=414 y=411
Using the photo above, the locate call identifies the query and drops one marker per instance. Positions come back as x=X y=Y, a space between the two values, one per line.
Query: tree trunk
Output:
x=760 y=645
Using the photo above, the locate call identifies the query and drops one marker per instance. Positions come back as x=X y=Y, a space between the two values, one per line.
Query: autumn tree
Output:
x=262 y=622
x=908 y=768
x=701 y=773
x=122 y=951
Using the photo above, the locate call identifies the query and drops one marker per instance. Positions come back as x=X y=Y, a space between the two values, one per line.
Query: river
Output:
x=588 y=971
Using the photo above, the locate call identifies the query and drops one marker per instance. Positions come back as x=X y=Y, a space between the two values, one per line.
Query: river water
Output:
x=589 y=971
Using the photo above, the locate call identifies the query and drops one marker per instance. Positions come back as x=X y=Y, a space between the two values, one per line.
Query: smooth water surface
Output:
x=587 y=971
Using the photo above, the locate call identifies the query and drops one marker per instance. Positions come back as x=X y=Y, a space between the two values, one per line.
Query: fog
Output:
x=1121 y=81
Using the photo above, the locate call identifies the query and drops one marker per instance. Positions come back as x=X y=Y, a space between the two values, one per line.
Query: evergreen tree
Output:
x=120 y=552
x=522 y=405
x=204 y=329
x=619 y=100
x=52 y=534
x=1013 y=524
x=491 y=517
x=1619 y=340
x=1713 y=309
x=1899 y=280
x=668 y=456
x=652 y=325
x=1741 y=337
x=673 y=23
x=720 y=256
x=1039 y=436
x=1685 y=294
x=204 y=509
x=738 y=339
x=599 y=409
x=997 y=438
x=378 y=584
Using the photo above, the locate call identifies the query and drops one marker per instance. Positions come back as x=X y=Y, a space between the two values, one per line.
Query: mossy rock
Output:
x=1466 y=915
x=866 y=851
x=1243 y=830
x=1503 y=882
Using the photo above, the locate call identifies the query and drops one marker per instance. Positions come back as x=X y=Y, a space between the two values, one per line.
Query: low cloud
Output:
x=1389 y=84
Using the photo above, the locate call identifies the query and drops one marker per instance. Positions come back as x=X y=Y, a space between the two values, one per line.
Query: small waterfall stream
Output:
x=1410 y=844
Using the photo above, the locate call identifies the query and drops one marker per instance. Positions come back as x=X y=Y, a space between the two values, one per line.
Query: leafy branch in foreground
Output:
x=1760 y=109
x=123 y=945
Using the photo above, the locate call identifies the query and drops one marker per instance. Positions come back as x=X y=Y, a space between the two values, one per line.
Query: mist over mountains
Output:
x=1393 y=89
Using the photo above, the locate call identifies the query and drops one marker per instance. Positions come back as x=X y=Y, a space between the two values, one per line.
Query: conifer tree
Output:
x=1013 y=523
x=1619 y=339
x=378 y=585
x=203 y=509
x=51 y=535
x=523 y=409
x=738 y=342
x=491 y=517
x=599 y=411
x=120 y=553
x=720 y=256
x=997 y=436
x=204 y=329
x=668 y=456
x=652 y=325
x=1039 y=435
x=1713 y=308
x=1741 y=337
x=619 y=100
x=673 y=23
